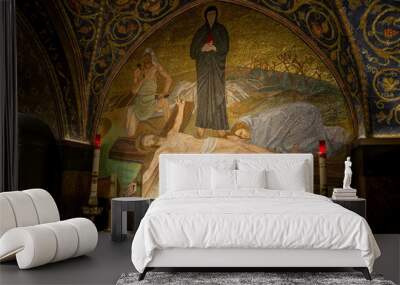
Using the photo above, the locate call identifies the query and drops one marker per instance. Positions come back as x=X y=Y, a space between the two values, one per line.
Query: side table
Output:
x=119 y=208
x=357 y=205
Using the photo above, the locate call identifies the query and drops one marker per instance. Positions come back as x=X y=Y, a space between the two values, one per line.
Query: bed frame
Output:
x=250 y=259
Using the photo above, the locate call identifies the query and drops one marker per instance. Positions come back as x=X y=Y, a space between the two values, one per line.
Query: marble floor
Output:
x=110 y=260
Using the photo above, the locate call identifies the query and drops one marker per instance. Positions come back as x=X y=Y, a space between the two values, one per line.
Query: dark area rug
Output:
x=243 y=278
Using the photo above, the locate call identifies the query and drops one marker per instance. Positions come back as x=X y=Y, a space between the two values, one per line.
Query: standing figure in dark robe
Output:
x=209 y=48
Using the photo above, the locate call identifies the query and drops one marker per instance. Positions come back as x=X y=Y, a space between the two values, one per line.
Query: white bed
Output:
x=250 y=227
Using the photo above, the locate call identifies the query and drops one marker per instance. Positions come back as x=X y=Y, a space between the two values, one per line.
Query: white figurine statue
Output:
x=347 y=174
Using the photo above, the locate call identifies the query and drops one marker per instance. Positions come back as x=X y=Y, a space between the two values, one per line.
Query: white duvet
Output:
x=250 y=219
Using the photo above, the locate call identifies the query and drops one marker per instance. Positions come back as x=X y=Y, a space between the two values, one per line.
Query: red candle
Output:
x=97 y=141
x=322 y=147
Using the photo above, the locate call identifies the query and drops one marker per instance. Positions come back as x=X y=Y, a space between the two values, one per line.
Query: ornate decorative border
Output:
x=360 y=65
x=73 y=54
x=377 y=39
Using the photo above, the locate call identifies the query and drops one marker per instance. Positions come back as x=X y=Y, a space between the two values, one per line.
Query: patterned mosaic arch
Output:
x=51 y=36
x=313 y=21
x=32 y=50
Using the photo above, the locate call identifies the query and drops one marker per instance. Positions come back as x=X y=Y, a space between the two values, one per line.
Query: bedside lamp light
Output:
x=322 y=167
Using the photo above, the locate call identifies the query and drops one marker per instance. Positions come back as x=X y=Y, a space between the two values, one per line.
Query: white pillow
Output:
x=190 y=174
x=223 y=179
x=228 y=179
x=181 y=177
x=282 y=174
x=251 y=179
x=205 y=162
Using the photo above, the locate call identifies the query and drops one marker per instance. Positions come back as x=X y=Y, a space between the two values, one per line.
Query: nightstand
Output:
x=358 y=205
x=119 y=208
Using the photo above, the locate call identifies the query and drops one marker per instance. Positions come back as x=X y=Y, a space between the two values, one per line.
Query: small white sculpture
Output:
x=347 y=174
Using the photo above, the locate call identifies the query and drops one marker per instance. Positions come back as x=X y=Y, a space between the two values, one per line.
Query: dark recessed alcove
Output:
x=39 y=158
x=376 y=177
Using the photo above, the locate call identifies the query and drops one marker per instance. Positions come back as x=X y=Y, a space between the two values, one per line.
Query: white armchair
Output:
x=31 y=230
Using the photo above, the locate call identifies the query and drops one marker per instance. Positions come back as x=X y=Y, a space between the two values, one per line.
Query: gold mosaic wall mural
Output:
x=265 y=90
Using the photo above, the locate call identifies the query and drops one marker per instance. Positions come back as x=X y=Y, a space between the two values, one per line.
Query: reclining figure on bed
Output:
x=295 y=127
x=178 y=142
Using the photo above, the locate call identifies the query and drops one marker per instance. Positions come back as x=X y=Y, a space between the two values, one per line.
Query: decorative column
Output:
x=92 y=210
x=322 y=168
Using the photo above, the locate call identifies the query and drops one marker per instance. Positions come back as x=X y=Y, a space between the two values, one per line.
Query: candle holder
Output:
x=92 y=210
x=323 y=190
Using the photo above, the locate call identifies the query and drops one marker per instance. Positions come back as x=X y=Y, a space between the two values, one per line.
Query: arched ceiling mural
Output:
x=274 y=75
x=360 y=39
x=316 y=19
x=262 y=52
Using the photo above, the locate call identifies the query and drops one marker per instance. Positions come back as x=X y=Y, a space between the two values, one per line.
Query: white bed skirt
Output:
x=192 y=257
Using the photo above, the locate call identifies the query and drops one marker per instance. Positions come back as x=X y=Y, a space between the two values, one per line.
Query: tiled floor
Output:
x=110 y=260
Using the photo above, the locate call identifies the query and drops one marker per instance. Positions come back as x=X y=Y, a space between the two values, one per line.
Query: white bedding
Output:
x=251 y=218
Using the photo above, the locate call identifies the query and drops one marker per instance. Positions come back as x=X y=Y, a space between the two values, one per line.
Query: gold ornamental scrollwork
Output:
x=386 y=84
x=151 y=10
x=288 y=6
x=123 y=29
x=82 y=9
x=380 y=25
x=393 y=114
x=320 y=21
x=322 y=24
